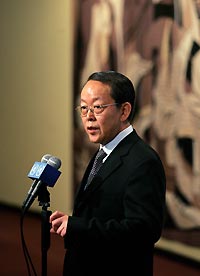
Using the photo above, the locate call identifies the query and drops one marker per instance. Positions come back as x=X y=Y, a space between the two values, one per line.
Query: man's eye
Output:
x=83 y=107
x=97 y=107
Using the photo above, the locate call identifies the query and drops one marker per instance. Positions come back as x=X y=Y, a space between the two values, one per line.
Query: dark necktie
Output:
x=96 y=166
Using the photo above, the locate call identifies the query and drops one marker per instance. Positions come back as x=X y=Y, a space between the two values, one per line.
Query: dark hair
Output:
x=122 y=89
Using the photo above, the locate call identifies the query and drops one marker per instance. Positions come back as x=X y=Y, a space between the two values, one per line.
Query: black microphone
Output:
x=44 y=159
x=43 y=173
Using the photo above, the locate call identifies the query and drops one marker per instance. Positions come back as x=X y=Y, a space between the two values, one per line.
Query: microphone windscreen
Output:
x=46 y=158
x=54 y=162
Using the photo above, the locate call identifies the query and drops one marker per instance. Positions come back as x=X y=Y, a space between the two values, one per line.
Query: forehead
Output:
x=95 y=90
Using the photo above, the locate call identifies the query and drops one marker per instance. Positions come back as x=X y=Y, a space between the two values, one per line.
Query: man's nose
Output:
x=90 y=113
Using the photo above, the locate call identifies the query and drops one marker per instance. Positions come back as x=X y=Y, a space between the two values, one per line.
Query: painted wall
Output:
x=35 y=96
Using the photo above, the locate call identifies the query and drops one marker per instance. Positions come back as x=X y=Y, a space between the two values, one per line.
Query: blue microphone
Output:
x=43 y=173
x=44 y=159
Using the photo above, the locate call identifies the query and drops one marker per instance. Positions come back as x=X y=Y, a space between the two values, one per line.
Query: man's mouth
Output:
x=92 y=129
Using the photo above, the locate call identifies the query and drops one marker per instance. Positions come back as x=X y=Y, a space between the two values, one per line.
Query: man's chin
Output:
x=94 y=139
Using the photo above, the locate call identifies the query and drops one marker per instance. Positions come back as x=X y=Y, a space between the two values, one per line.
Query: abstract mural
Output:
x=157 y=45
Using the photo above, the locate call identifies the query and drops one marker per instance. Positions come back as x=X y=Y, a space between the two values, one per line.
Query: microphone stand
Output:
x=44 y=199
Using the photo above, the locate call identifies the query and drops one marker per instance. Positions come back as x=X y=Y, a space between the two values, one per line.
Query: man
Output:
x=118 y=215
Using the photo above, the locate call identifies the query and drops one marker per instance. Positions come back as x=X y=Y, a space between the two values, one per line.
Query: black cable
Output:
x=27 y=256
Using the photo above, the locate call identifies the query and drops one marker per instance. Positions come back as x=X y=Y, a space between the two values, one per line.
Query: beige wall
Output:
x=36 y=95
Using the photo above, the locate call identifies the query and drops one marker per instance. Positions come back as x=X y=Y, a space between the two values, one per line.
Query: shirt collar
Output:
x=109 y=147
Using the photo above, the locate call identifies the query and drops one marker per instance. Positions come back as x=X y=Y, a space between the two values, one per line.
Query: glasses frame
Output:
x=91 y=108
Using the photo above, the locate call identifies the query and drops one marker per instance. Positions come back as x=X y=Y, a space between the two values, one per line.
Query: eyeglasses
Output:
x=96 y=109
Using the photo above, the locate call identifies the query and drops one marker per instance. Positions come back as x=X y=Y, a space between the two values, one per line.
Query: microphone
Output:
x=44 y=159
x=43 y=173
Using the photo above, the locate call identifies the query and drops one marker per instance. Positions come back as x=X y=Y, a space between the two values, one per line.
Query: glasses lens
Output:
x=98 y=109
x=83 y=110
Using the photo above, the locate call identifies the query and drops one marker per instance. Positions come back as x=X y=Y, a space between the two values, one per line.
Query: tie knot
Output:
x=100 y=155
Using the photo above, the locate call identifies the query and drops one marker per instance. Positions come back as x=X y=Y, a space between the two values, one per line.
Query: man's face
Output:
x=103 y=127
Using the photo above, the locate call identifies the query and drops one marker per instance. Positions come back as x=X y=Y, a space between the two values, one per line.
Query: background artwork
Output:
x=157 y=45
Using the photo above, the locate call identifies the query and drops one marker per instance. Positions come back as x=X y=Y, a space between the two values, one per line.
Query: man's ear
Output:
x=125 y=111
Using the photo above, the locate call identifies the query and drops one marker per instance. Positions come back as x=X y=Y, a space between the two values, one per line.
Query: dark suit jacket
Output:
x=119 y=217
